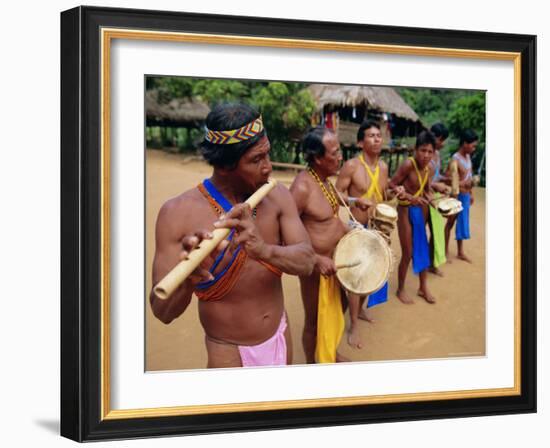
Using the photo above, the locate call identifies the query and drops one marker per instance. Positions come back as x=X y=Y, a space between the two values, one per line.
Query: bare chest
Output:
x=413 y=183
x=362 y=181
x=321 y=205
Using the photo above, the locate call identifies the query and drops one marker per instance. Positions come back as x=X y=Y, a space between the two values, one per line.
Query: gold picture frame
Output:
x=87 y=36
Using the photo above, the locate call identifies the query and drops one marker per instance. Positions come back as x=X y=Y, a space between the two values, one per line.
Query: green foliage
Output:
x=468 y=112
x=300 y=110
x=214 y=91
x=432 y=105
x=195 y=136
x=153 y=137
x=286 y=108
x=451 y=146
x=272 y=100
x=170 y=87
x=186 y=140
x=458 y=110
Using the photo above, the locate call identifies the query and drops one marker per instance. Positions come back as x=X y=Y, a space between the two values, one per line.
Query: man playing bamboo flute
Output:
x=318 y=206
x=364 y=177
x=463 y=162
x=239 y=288
x=415 y=175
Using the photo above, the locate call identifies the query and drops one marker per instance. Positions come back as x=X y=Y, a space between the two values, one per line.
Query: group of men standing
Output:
x=241 y=303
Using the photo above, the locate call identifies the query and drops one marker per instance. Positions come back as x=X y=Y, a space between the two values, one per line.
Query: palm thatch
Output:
x=184 y=112
x=384 y=99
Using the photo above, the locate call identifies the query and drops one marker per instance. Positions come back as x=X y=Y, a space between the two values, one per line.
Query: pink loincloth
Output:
x=269 y=353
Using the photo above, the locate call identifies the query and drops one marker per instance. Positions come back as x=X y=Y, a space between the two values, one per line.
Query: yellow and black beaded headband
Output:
x=235 y=135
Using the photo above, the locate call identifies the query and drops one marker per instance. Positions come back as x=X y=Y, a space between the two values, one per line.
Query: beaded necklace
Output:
x=225 y=279
x=208 y=188
x=330 y=194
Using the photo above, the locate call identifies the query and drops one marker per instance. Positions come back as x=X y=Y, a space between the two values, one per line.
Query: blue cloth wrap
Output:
x=226 y=205
x=463 y=219
x=420 y=247
x=379 y=296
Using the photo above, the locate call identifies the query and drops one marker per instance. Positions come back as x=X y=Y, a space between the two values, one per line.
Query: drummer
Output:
x=462 y=158
x=240 y=295
x=318 y=206
x=415 y=175
x=436 y=221
x=365 y=177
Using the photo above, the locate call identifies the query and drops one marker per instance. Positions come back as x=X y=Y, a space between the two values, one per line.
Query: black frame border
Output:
x=81 y=223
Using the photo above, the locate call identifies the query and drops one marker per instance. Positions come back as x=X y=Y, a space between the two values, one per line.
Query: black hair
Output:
x=312 y=143
x=425 y=138
x=364 y=126
x=440 y=130
x=468 y=136
x=226 y=117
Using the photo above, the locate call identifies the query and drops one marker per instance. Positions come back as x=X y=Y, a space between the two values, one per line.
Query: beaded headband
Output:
x=235 y=135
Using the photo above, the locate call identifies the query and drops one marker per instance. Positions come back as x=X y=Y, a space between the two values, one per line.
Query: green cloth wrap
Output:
x=438 y=235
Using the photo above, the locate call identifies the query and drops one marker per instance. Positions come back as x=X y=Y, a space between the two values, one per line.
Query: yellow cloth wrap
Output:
x=374 y=188
x=438 y=236
x=330 y=320
x=422 y=182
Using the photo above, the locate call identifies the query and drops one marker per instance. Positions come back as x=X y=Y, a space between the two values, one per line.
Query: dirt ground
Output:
x=454 y=326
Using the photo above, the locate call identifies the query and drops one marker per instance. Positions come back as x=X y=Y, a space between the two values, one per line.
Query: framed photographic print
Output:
x=143 y=95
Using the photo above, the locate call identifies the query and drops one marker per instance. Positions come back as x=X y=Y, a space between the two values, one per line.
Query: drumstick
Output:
x=349 y=264
x=184 y=268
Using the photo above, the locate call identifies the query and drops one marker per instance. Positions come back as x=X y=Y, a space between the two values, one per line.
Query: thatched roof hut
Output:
x=384 y=99
x=354 y=104
x=178 y=112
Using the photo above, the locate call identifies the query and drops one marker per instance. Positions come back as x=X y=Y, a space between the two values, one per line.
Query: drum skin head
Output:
x=385 y=211
x=449 y=206
x=370 y=248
